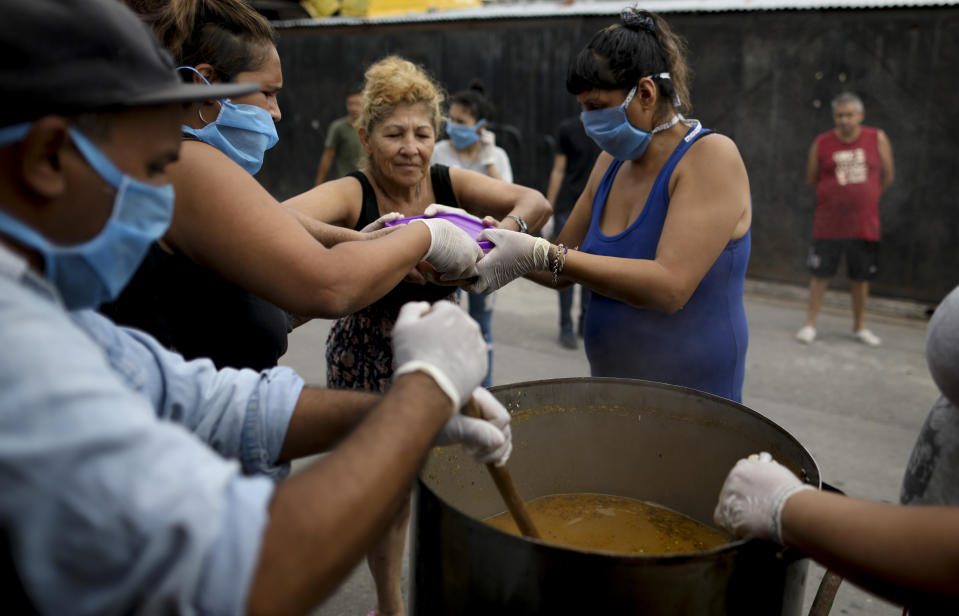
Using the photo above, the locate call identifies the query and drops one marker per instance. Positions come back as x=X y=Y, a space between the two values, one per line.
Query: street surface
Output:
x=857 y=409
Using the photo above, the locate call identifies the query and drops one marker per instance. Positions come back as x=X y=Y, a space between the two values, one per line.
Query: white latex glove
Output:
x=513 y=255
x=489 y=439
x=445 y=343
x=438 y=208
x=453 y=253
x=380 y=222
x=753 y=495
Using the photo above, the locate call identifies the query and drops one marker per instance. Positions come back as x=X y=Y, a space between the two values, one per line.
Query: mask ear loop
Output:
x=199 y=110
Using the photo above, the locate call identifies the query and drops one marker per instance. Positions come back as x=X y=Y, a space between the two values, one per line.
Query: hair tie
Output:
x=633 y=19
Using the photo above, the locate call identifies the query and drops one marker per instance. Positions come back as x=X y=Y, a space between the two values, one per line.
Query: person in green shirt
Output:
x=343 y=152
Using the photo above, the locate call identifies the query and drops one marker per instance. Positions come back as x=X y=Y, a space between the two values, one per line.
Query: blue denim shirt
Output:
x=131 y=481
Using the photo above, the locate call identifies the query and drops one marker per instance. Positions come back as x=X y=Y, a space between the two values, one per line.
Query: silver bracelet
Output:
x=559 y=262
x=522 y=223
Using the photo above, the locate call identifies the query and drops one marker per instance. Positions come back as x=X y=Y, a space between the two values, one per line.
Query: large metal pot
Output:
x=655 y=442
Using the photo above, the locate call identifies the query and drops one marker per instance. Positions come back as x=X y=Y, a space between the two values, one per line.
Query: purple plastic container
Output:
x=472 y=226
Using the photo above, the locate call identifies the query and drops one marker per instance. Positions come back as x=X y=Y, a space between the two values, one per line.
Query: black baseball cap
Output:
x=77 y=56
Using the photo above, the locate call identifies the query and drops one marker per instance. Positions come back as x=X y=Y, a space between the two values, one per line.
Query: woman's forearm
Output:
x=325 y=233
x=908 y=554
x=638 y=282
x=356 y=274
x=321 y=418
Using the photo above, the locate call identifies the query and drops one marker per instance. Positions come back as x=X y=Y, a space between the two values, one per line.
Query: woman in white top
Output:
x=472 y=146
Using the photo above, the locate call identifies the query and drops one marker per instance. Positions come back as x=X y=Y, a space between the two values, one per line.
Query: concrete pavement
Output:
x=857 y=409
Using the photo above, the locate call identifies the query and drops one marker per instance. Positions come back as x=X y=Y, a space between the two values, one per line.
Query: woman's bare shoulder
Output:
x=714 y=144
x=712 y=153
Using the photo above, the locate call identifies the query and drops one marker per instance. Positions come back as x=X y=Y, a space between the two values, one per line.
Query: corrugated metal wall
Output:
x=763 y=78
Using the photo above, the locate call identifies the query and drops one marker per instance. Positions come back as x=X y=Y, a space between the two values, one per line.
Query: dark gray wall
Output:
x=763 y=78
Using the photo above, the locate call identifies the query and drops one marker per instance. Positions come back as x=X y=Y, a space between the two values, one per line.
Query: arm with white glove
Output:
x=513 y=255
x=753 y=495
x=421 y=343
x=489 y=437
x=445 y=343
x=907 y=554
x=324 y=518
x=452 y=253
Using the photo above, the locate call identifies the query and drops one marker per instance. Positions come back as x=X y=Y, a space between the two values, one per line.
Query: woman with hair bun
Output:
x=471 y=145
x=662 y=226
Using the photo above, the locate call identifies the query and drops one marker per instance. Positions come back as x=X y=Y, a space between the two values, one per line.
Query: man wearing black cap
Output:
x=133 y=481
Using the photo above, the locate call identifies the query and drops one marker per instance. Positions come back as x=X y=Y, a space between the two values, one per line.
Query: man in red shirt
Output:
x=849 y=168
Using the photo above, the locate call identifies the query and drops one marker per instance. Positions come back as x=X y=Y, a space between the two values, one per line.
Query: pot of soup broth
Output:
x=621 y=477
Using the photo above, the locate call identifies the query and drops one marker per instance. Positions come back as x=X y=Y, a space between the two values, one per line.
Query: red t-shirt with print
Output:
x=848 y=190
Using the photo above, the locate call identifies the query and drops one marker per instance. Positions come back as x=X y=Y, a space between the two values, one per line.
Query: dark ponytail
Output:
x=618 y=56
x=474 y=100
x=227 y=34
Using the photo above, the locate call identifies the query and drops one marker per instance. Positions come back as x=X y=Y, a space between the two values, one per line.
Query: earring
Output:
x=199 y=112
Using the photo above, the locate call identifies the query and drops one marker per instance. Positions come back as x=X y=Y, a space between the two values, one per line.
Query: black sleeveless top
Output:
x=408 y=291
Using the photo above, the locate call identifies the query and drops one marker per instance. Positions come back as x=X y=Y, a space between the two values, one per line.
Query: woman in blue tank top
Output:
x=662 y=226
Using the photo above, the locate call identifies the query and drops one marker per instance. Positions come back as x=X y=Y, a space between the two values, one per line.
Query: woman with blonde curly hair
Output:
x=398 y=124
x=397 y=127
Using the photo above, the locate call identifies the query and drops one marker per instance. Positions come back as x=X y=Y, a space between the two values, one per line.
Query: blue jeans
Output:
x=481 y=309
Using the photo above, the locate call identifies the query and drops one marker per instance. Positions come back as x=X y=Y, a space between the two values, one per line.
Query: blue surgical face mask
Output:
x=95 y=271
x=463 y=136
x=612 y=132
x=242 y=132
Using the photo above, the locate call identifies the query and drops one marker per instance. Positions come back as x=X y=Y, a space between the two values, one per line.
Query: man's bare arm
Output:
x=325 y=233
x=322 y=417
x=323 y=519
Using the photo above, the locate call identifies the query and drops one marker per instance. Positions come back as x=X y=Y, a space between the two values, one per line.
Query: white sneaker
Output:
x=867 y=337
x=806 y=334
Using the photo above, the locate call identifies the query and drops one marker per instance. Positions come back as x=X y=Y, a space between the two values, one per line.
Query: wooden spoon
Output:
x=507 y=489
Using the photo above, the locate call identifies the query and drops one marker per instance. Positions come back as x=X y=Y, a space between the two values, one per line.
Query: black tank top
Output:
x=408 y=291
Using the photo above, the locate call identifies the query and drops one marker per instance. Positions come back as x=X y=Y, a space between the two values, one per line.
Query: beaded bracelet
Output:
x=559 y=262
